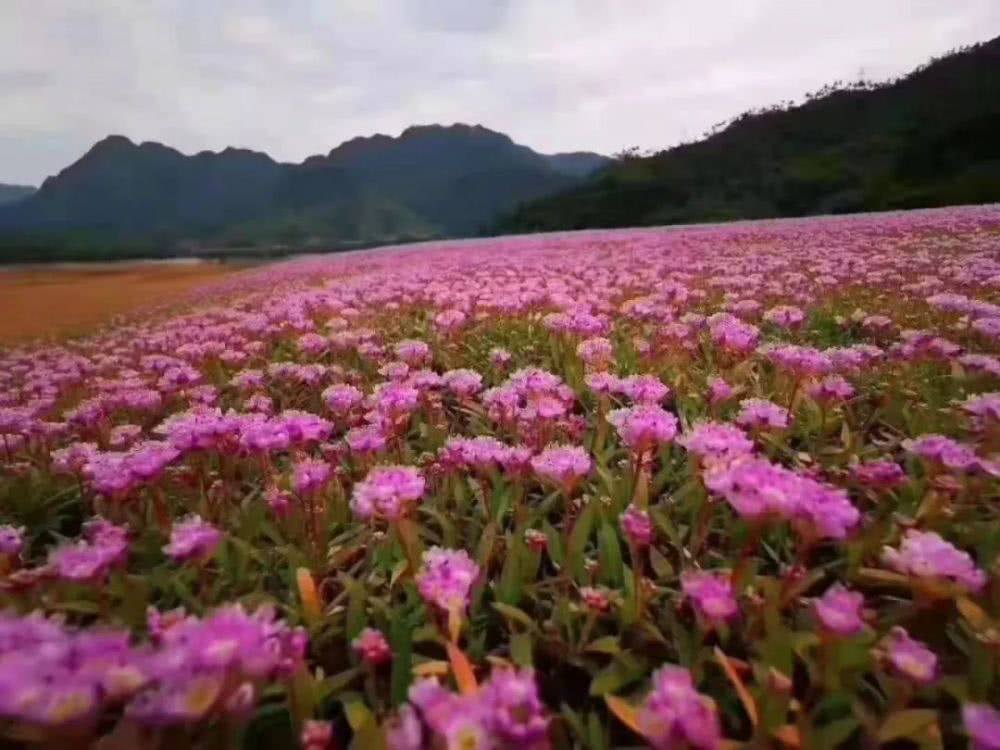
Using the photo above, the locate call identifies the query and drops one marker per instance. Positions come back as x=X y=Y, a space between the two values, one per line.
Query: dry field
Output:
x=58 y=302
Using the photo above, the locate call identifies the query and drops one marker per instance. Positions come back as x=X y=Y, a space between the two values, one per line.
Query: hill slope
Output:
x=928 y=139
x=431 y=181
x=11 y=193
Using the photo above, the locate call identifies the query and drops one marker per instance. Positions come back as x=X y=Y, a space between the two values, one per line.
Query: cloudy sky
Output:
x=296 y=77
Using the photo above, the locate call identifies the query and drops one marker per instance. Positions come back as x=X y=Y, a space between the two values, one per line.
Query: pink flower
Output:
x=499 y=358
x=644 y=389
x=733 y=335
x=910 y=658
x=758 y=490
x=372 y=647
x=310 y=475
x=831 y=389
x=644 y=427
x=944 y=452
x=785 y=316
x=193 y=539
x=982 y=724
x=637 y=526
x=761 y=414
x=925 y=555
x=387 y=492
x=463 y=382
x=595 y=599
x=413 y=352
x=839 y=611
x=716 y=441
x=711 y=594
x=446 y=578
x=879 y=474
x=316 y=735
x=719 y=391
x=800 y=361
x=596 y=352
x=676 y=715
x=341 y=398
x=564 y=465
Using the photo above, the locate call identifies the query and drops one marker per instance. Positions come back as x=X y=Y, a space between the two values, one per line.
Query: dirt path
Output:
x=41 y=302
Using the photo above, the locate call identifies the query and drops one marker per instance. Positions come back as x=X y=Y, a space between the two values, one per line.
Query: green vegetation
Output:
x=928 y=139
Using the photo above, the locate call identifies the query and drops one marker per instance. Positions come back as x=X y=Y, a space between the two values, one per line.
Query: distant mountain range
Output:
x=931 y=138
x=431 y=181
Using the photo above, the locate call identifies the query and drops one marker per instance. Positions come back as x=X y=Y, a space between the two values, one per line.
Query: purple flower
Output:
x=597 y=352
x=413 y=352
x=643 y=427
x=342 y=398
x=925 y=555
x=982 y=724
x=316 y=735
x=310 y=475
x=676 y=715
x=831 y=389
x=881 y=474
x=711 y=594
x=944 y=452
x=758 y=490
x=463 y=382
x=403 y=731
x=643 y=389
x=387 y=492
x=839 y=611
x=499 y=358
x=761 y=414
x=372 y=647
x=11 y=540
x=637 y=526
x=733 y=335
x=368 y=439
x=564 y=465
x=716 y=441
x=800 y=361
x=911 y=658
x=785 y=316
x=514 y=712
x=446 y=578
x=719 y=391
x=191 y=538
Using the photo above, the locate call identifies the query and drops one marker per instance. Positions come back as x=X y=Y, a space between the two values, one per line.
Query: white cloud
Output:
x=298 y=77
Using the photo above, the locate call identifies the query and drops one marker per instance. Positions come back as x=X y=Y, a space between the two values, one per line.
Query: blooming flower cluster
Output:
x=769 y=451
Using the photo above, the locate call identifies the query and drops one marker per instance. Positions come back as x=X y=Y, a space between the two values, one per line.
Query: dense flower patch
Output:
x=707 y=487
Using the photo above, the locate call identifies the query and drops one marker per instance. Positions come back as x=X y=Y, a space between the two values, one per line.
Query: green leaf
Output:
x=610 y=553
x=355 y=618
x=609 y=644
x=484 y=552
x=522 y=649
x=661 y=565
x=625 y=669
x=910 y=724
x=358 y=715
x=513 y=613
x=834 y=734
x=335 y=683
x=577 y=545
x=400 y=636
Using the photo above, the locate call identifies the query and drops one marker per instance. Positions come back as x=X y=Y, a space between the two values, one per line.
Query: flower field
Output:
x=706 y=487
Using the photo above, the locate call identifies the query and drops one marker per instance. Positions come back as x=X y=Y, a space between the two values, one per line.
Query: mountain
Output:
x=927 y=139
x=11 y=193
x=430 y=181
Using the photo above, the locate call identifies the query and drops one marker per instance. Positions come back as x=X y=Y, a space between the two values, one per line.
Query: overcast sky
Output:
x=296 y=77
